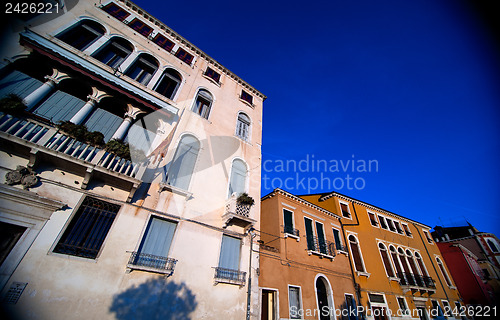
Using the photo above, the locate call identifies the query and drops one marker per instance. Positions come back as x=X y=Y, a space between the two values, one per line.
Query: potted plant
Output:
x=119 y=148
x=245 y=199
x=12 y=104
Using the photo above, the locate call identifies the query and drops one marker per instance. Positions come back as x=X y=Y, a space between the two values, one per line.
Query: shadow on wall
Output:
x=155 y=299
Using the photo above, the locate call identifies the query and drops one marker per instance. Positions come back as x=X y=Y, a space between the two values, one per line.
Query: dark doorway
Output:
x=9 y=235
x=322 y=294
x=268 y=305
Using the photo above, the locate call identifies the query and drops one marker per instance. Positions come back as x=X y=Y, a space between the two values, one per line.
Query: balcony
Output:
x=237 y=214
x=223 y=275
x=321 y=247
x=151 y=263
x=292 y=232
x=38 y=141
x=416 y=282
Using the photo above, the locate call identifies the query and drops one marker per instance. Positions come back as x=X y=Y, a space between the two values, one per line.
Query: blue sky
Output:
x=412 y=85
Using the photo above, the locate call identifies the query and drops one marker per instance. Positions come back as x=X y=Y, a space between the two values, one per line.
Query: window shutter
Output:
x=238 y=177
x=336 y=236
x=230 y=253
x=182 y=167
x=288 y=217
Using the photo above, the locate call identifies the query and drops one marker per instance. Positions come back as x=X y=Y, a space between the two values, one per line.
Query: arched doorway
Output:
x=323 y=297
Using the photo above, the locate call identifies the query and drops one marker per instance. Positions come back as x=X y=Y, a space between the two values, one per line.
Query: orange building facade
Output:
x=397 y=267
x=304 y=265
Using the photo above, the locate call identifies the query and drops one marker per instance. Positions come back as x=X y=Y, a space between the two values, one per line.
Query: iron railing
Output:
x=48 y=137
x=153 y=262
x=321 y=245
x=230 y=275
x=292 y=231
x=410 y=279
x=341 y=247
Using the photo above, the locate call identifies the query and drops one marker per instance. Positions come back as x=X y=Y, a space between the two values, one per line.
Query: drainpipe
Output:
x=249 y=292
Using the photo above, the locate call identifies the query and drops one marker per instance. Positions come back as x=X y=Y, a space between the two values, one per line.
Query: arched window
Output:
x=203 y=103
x=182 y=167
x=385 y=260
x=114 y=52
x=395 y=260
x=443 y=271
x=421 y=264
x=83 y=34
x=414 y=270
x=237 y=183
x=243 y=126
x=406 y=268
x=356 y=253
x=492 y=245
x=169 y=83
x=143 y=68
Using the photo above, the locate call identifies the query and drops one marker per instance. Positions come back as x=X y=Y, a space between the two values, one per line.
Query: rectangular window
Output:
x=338 y=243
x=350 y=306
x=436 y=308
x=116 y=11
x=373 y=220
x=183 y=55
x=155 y=246
x=288 y=219
x=140 y=27
x=403 y=307
x=230 y=253
x=246 y=96
x=391 y=225
x=309 y=234
x=407 y=230
x=398 y=227
x=446 y=308
x=163 y=42
x=294 y=302
x=212 y=74
x=87 y=230
x=427 y=236
x=345 y=210
x=382 y=222
x=321 y=238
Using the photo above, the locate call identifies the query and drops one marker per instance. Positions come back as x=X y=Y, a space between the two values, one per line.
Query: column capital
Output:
x=133 y=112
x=97 y=95
x=57 y=76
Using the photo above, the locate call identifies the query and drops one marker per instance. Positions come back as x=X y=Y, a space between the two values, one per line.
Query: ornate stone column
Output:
x=36 y=96
x=131 y=114
x=96 y=97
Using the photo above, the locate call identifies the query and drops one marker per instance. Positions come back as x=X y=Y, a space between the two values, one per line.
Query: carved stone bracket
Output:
x=22 y=175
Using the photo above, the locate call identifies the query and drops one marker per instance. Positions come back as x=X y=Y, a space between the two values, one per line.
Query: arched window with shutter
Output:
x=182 y=166
x=356 y=254
x=203 y=103
x=385 y=260
x=237 y=182
x=243 y=127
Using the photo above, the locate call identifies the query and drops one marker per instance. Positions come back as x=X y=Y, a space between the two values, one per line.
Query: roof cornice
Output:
x=139 y=11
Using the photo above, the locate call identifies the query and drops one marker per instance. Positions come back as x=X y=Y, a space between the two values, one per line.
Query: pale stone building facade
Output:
x=95 y=234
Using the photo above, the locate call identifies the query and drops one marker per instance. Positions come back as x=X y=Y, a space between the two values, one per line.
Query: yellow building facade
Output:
x=304 y=264
x=397 y=267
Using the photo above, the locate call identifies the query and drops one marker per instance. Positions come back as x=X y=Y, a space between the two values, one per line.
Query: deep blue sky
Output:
x=413 y=85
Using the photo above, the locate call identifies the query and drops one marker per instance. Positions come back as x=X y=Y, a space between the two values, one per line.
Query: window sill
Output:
x=322 y=255
x=211 y=80
x=363 y=273
x=292 y=236
x=343 y=252
x=182 y=192
x=394 y=279
x=251 y=105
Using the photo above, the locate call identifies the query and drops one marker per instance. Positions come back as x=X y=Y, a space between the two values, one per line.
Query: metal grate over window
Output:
x=88 y=229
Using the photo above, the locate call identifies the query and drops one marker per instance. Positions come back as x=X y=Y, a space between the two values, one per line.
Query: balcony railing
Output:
x=48 y=140
x=230 y=276
x=149 y=262
x=237 y=214
x=410 y=279
x=292 y=231
x=321 y=246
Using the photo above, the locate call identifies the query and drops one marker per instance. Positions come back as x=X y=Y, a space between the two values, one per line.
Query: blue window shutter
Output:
x=238 y=177
x=104 y=122
x=230 y=253
x=159 y=235
x=18 y=83
x=182 y=167
x=59 y=106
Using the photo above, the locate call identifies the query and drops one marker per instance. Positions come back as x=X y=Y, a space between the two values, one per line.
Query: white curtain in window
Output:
x=158 y=238
x=181 y=169
x=294 y=300
x=230 y=253
x=237 y=182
